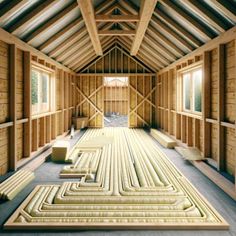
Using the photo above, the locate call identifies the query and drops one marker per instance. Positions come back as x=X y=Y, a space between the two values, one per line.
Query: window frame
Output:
x=40 y=69
x=192 y=90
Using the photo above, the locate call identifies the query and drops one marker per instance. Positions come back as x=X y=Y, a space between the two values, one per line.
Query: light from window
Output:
x=187 y=88
x=192 y=91
x=197 y=85
x=116 y=81
x=40 y=81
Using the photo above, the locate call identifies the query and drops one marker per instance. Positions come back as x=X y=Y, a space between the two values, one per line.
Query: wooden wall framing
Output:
x=139 y=97
x=213 y=133
x=22 y=135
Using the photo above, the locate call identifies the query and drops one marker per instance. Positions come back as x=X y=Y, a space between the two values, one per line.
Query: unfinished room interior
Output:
x=118 y=117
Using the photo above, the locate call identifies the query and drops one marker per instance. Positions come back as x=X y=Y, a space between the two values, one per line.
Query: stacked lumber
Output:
x=13 y=185
x=163 y=139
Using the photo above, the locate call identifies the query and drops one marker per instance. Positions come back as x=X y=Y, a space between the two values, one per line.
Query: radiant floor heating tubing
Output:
x=136 y=186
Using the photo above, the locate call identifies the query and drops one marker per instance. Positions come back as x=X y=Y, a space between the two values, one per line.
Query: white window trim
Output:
x=192 y=92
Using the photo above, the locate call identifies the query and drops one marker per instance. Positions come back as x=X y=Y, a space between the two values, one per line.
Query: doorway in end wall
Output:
x=116 y=101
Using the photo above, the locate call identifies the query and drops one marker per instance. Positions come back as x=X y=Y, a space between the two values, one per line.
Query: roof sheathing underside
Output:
x=176 y=28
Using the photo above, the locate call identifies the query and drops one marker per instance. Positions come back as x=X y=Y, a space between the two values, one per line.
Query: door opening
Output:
x=116 y=101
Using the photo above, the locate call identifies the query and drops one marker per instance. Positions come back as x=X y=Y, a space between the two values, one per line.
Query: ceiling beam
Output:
x=87 y=11
x=51 y=22
x=23 y=22
x=116 y=32
x=117 y=18
x=146 y=9
x=103 y=6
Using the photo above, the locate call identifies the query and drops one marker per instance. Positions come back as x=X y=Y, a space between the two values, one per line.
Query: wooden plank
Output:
x=221 y=103
x=11 y=39
x=35 y=136
x=51 y=22
x=22 y=23
x=42 y=136
x=206 y=104
x=11 y=7
x=117 y=18
x=116 y=32
x=175 y=9
x=178 y=27
x=62 y=96
x=221 y=39
x=12 y=108
x=208 y=15
x=27 y=104
x=219 y=4
x=87 y=11
x=160 y=24
x=146 y=10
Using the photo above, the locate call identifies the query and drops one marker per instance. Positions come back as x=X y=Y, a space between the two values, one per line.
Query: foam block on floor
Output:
x=163 y=139
x=191 y=154
x=60 y=151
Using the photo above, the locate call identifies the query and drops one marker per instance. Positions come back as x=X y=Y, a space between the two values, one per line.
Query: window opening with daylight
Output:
x=116 y=101
x=192 y=91
x=41 y=91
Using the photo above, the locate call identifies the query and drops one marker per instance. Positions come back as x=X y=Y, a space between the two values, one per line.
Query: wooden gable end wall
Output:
x=138 y=100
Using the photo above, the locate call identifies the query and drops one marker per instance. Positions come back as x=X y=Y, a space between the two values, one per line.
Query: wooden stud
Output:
x=206 y=104
x=27 y=105
x=35 y=136
x=12 y=108
x=221 y=103
x=42 y=136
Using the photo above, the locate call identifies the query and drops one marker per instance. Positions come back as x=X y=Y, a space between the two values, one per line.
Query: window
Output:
x=116 y=81
x=41 y=91
x=192 y=91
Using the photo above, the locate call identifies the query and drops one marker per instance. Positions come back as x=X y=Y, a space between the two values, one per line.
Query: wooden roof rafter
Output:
x=71 y=53
x=116 y=44
x=86 y=53
x=184 y=32
x=199 y=27
x=11 y=7
x=51 y=22
x=32 y=15
x=127 y=7
x=227 y=11
x=146 y=11
x=208 y=16
x=73 y=24
x=88 y=59
x=88 y=14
